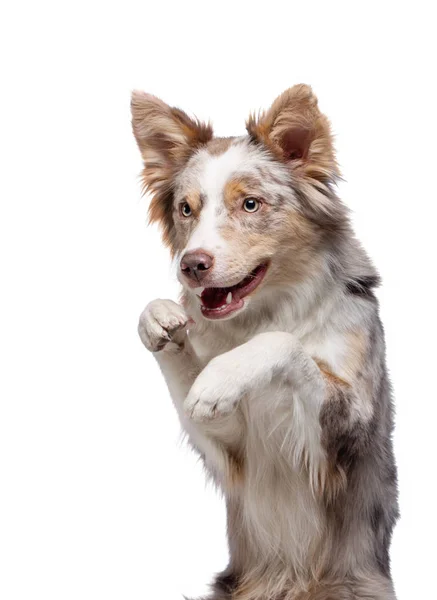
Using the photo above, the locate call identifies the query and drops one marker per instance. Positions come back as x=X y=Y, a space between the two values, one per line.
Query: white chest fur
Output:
x=280 y=512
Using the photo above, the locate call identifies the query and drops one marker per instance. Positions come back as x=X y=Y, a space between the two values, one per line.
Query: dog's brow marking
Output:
x=218 y=169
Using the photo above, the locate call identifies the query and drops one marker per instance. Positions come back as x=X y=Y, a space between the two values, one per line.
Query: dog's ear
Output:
x=166 y=137
x=298 y=134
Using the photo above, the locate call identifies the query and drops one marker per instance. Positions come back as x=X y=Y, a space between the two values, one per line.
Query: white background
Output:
x=98 y=500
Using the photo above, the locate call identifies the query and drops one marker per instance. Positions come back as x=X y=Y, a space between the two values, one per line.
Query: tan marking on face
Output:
x=234 y=191
x=237 y=189
x=276 y=234
x=194 y=200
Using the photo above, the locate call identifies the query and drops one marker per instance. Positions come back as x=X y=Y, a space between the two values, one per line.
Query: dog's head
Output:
x=242 y=214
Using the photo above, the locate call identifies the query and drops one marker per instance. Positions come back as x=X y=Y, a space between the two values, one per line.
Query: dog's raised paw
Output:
x=215 y=393
x=159 y=322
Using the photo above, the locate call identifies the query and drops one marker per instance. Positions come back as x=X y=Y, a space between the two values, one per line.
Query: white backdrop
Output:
x=98 y=500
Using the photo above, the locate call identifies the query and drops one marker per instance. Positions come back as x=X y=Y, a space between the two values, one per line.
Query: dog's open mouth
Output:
x=219 y=302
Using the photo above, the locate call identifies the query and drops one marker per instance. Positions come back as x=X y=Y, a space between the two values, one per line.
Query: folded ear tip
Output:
x=303 y=92
x=137 y=96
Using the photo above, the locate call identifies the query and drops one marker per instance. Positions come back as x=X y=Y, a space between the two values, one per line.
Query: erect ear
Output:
x=166 y=137
x=298 y=133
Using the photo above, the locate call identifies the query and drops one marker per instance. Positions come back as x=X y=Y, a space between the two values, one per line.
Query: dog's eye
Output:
x=251 y=205
x=185 y=209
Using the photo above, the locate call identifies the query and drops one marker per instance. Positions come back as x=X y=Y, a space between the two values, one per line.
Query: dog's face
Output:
x=241 y=215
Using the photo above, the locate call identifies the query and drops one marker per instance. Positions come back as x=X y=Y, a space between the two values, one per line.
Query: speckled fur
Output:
x=288 y=402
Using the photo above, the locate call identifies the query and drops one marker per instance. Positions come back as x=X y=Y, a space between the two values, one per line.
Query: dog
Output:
x=275 y=355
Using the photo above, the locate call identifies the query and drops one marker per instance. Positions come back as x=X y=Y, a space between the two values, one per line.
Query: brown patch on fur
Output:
x=219 y=145
x=238 y=188
x=333 y=478
x=331 y=377
x=356 y=368
x=234 y=190
x=235 y=470
x=344 y=418
x=194 y=199
x=166 y=137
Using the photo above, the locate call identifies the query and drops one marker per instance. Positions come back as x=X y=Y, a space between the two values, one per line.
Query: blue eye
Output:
x=185 y=209
x=251 y=205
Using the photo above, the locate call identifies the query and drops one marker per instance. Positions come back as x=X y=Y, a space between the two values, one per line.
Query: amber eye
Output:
x=185 y=209
x=251 y=205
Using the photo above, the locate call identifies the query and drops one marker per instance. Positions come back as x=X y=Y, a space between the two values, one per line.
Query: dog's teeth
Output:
x=229 y=298
x=198 y=291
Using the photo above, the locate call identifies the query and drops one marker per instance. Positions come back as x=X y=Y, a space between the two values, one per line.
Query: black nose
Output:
x=195 y=265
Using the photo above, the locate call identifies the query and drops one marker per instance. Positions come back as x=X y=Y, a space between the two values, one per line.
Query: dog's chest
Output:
x=280 y=516
x=209 y=344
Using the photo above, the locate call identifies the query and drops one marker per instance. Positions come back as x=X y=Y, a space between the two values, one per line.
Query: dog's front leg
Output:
x=162 y=329
x=274 y=359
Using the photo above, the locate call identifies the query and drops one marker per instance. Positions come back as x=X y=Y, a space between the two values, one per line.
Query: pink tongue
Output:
x=214 y=297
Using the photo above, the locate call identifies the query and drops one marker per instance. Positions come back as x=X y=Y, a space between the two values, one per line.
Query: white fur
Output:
x=216 y=170
x=270 y=382
x=213 y=173
x=206 y=235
